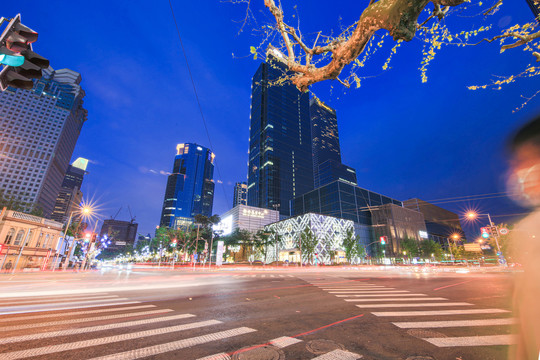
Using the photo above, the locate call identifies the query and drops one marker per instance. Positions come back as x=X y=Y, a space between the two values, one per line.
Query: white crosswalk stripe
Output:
x=454 y=323
x=47 y=306
x=381 y=295
x=45 y=350
x=440 y=312
x=49 y=300
x=176 y=345
x=220 y=356
x=487 y=340
x=98 y=311
x=369 y=292
x=78 y=306
x=400 y=299
x=68 y=332
x=413 y=305
x=78 y=321
x=338 y=355
x=284 y=341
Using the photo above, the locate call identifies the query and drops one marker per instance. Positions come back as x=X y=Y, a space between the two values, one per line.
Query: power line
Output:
x=197 y=97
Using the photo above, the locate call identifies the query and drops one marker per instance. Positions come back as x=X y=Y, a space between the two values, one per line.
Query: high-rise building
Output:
x=38 y=132
x=70 y=194
x=240 y=194
x=327 y=166
x=279 y=166
x=535 y=7
x=190 y=187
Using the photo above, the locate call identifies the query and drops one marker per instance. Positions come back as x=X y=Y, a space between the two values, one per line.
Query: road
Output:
x=256 y=314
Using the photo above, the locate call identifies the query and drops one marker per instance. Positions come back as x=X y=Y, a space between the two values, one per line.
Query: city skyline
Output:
x=381 y=130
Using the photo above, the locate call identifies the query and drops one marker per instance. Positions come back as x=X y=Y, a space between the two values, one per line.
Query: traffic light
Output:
x=87 y=237
x=174 y=242
x=383 y=240
x=486 y=232
x=16 y=43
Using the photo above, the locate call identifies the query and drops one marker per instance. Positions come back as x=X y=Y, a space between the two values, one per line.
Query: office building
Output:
x=440 y=223
x=190 y=187
x=245 y=217
x=70 y=194
x=535 y=7
x=38 y=132
x=240 y=194
x=280 y=163
x=121 y=233
x=371 y=213
x=327 y=165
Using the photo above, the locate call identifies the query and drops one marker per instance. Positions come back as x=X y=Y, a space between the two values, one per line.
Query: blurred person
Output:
x=525 y=239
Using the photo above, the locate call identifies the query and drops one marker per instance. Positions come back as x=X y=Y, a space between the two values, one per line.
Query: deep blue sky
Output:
x=406 y=139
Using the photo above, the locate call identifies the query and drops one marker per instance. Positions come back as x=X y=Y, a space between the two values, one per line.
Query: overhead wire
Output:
x=197 y=98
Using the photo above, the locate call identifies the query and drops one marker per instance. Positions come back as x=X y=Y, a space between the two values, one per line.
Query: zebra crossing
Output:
x=118 y=328
x=435 y=313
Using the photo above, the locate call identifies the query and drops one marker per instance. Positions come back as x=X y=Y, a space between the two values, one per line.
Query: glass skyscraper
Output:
x=190 y=187
x=70 y=194
x=38 y=132
x=327 y=166
x=240 y=194
x=280 y=165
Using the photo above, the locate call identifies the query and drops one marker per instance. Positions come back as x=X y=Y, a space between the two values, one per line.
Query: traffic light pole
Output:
x=496 y=236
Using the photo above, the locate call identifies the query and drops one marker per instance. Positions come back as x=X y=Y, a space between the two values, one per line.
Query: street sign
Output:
x=472 y=247
x=503 y=231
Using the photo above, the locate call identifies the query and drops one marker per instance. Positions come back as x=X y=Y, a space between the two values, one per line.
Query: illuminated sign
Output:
x=423 y=234
x=254 y=213
x=224 y=226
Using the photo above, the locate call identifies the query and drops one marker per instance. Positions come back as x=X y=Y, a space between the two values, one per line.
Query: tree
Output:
x=410 y=246
x=429 y=247
x=351 y=245
x=307 y=242
x=263 y=240
x=16 y=204
x=350 y=47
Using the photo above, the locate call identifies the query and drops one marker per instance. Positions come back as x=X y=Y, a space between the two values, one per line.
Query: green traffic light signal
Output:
x=11 y=60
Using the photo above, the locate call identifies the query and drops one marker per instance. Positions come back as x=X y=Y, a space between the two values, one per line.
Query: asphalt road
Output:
x=256 y=314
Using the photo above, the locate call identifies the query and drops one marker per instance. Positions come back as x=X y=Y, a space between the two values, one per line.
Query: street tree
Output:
x=429 y=247
x=263 y=242
x=307 y=243
x=342 y=52
x=351 y=245
x=410 y=246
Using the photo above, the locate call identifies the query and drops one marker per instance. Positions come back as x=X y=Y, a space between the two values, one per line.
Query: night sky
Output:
x=406 y=139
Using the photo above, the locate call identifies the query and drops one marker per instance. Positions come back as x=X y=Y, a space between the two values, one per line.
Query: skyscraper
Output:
x=38 y=132
x=70 y=194
x=240 y=194
x=327 y=166
x=280 y=166
x=190 y=187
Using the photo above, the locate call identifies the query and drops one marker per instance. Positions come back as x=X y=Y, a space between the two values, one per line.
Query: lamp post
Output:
x=454 y=237
x=85 y=212
x=472 y=216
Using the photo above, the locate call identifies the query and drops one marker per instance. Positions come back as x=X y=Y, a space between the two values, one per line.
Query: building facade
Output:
x=328 y=231
x=240 y=194
x=441 y=224
x=280 y=165
x=327 y=165
x=38 y=132
x=122 y=233
x=245 y=217
x=190 y=187
x=70 y=194
x=28 y=242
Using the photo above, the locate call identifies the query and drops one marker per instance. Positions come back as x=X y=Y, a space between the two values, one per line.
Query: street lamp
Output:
x=86 y=212
x=471 y=215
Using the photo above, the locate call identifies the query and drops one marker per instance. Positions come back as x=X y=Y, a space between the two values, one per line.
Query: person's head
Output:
x=525 y=163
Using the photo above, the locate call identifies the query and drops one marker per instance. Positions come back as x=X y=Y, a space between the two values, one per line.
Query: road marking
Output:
x=263 y=276
x=77 y=313
x=412 y=305
x=488 y=340
x=338 y=355
x=454 y=323
x=353 y=287
x=456 y=284
x=399 y=299
x=369 y=292
x=440 y=312
x=78 y=320
x=68 y=332
x=290 y=276
x=176 y=345
x=51 y=349
x=380 y=294
x=61 y=303
x=272 y=276
x=64 y=300
x=253 y=276
x=284 y=341
x=220 y=356
x=68 y=308
x=281 y=275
